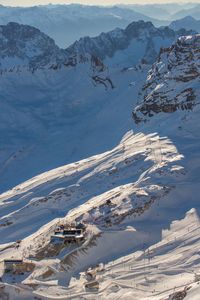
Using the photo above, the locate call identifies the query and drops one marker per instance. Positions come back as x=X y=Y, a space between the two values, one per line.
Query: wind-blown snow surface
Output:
x=137 y=177
x=139 y=202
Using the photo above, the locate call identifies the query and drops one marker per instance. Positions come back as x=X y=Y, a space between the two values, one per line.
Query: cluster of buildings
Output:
x=93 y=276
x=65 y=234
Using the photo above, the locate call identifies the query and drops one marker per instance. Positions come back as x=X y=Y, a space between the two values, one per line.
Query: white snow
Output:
x=138 y=198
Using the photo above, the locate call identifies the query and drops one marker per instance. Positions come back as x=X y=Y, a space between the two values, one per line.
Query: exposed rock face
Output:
x=107 y=44
x=173 y=81
x=23 y=46
x=26 y=45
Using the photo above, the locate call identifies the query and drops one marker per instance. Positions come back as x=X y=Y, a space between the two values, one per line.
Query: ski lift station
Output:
x=67 y=235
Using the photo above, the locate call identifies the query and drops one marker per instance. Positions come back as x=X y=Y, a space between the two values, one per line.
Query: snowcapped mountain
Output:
x=117 y=46
x=53 y=98
x=66 y=23
x=137 y=202
x=188 y=23
x=26 y=46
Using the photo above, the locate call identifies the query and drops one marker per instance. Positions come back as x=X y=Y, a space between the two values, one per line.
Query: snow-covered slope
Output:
x=66 y=100
x=91 y=177
x=166 y=270
x=108 y=192
x=139 y=203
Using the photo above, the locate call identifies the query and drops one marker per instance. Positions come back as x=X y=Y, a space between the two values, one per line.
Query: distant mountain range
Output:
x=164 y=11
x=194 y=12
x=187 y=23
x=67 y=23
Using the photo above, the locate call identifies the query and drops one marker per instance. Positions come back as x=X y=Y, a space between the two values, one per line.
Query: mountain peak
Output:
x=24 y=45
x=19 y=30
x=134 y=29
x=141 y=37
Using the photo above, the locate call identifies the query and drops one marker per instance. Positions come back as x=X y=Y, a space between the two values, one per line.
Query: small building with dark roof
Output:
x=17 y=265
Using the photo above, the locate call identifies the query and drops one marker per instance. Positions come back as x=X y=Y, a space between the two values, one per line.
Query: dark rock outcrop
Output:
x=173 y=80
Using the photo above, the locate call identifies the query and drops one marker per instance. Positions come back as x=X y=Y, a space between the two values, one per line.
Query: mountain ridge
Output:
x=27 y=46
x=66 y=23
x=107 y=44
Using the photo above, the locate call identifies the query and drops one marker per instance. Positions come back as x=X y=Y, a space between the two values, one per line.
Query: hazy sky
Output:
x=104 y=2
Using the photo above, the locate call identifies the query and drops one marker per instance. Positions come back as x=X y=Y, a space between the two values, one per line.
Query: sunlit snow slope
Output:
x=139 y=203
